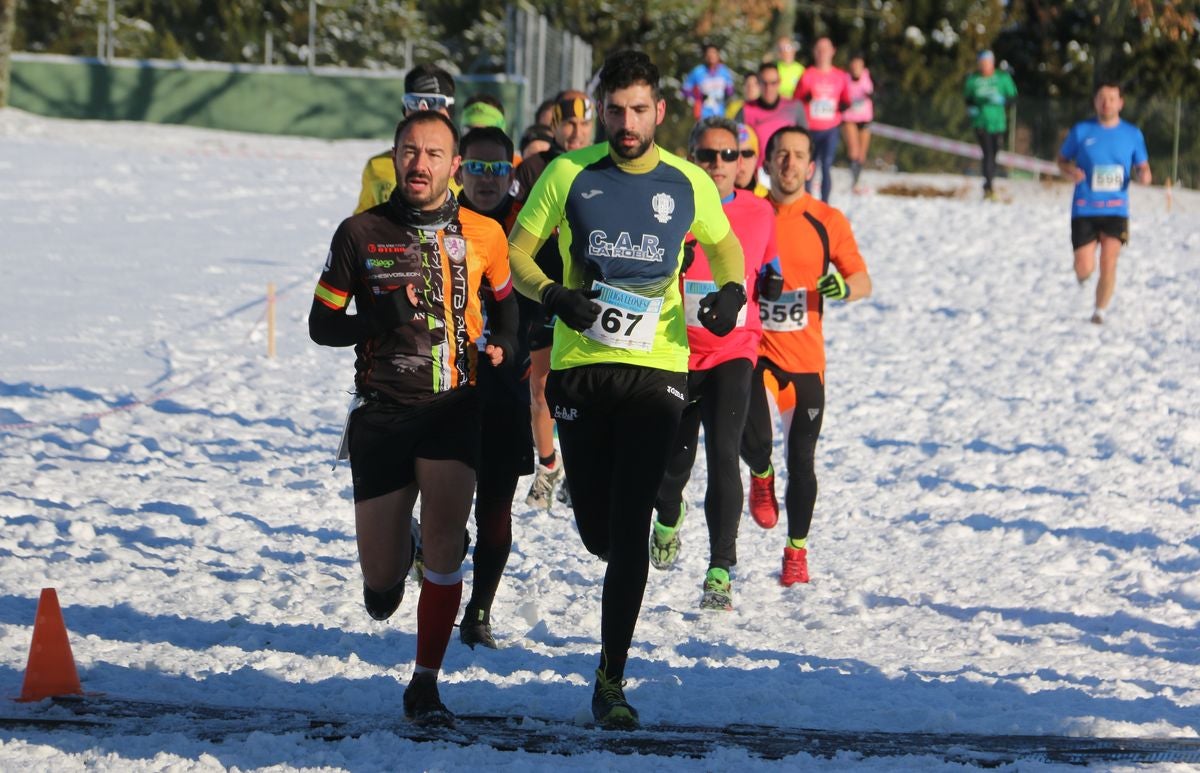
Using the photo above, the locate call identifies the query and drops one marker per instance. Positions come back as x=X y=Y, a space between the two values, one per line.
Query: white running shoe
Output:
x=542 y=490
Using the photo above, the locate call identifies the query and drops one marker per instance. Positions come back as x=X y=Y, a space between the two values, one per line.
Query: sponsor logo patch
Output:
x=663 y=205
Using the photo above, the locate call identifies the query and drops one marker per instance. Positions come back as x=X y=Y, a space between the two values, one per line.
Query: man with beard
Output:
x=814 y=239
x=618 y=380
x=413 y=266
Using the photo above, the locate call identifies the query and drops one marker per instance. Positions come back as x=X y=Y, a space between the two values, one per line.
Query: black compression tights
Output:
x=802 y=434
x=493 y=540
x=615 y=449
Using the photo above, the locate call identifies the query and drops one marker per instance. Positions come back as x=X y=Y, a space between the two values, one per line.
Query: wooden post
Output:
x=1168 y=186
x=271 y=320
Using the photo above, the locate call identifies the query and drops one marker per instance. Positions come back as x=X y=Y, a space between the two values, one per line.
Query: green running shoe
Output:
x=665 y=542
x=609 y=707
x=718 y=590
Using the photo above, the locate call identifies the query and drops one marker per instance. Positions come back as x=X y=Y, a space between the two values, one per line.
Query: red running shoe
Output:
x=795 y=567
x=764 y=508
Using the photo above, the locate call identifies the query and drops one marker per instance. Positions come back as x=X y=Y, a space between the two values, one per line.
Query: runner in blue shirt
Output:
x=1102 y=155
x=708 y=85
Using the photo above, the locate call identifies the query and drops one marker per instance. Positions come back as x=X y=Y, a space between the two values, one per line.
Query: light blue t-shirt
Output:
x=1107 y=156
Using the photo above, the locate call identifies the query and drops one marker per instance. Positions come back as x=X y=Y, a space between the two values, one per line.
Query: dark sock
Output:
x=548 y=461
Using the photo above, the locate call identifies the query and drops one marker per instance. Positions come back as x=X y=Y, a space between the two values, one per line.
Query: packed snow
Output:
x=1006 y=537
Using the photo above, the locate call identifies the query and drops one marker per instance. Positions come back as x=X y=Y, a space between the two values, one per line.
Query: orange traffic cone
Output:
x=51 y=668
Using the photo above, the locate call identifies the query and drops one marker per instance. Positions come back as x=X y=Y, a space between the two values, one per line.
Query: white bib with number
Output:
x=694 y=292
x=1107 y=178
x=823 y=109
x=786 y=315
x=627 y=320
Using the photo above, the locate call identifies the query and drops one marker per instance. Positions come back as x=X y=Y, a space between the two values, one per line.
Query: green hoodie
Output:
x=986 y=98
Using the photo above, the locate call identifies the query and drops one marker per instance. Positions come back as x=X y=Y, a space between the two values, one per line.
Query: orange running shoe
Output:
x=795 y=567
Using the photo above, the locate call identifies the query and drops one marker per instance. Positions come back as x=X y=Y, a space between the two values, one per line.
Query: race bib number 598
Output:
x=1107 y=178
x=627 y=320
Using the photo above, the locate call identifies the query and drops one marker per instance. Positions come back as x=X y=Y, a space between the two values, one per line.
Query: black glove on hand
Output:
x=689 y=255
x=574 y=307
x=770 y=283
x=719 y=310
x=391 y=311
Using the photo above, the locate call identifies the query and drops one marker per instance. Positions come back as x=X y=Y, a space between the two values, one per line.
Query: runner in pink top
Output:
x=856 y=119
x=770 y=111
x=825 y=93
x=719 y=370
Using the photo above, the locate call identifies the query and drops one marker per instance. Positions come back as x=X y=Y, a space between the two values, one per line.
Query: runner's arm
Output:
x=528 y=277
x=1070 y=169
x=859 y=286
x=726 y=259
x=329 y=327
x=1142 y=171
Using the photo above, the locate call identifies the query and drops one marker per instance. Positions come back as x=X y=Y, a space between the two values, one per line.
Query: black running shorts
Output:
x=1085 y=230
x=386 y=439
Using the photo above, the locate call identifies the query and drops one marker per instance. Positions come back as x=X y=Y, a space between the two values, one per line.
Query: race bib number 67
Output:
x=627 y=320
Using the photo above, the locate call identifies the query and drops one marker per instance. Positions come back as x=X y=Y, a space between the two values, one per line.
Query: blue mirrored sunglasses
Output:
x=474 y=166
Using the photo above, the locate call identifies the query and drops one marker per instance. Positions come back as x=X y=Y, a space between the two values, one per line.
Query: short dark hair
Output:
x=428 y=79
x=718 y=122
x=625 y=68
x=486 y=134
x=426 y=116
x=1107 y=85
x=767 y=66
x=773 y=140
x=534 y=133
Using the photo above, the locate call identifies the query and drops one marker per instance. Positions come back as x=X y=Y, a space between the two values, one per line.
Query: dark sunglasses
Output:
x=709 y=155
x=748 y=153
x=477 y=168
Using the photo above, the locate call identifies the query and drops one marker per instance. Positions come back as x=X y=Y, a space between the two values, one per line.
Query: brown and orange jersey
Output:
x=377 y=252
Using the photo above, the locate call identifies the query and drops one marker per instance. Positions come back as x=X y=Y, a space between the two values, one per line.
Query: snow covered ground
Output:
x=1006 y=540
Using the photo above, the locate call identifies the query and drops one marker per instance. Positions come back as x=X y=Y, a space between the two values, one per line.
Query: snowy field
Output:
x=1006 y=541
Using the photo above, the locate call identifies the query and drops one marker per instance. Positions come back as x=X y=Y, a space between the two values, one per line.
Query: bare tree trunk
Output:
x=8 y=23
x=785 y=21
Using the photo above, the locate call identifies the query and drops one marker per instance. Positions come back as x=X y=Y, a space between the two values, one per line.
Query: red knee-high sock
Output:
x=436 y=611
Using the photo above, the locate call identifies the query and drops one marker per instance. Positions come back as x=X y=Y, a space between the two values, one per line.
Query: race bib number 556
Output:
x=786 y=315
x=627 y=320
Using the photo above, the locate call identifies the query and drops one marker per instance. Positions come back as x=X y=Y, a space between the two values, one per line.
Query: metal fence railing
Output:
x=1037 y=127
x=549 y=59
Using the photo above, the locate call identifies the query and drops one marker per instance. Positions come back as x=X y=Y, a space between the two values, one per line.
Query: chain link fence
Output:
x=548 y=59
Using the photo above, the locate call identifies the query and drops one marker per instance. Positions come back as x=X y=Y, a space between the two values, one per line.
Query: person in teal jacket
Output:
x=987 y=93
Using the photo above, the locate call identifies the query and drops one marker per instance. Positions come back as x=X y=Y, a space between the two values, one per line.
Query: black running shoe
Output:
x=381 y=605
x=609 y=707
x=422 y=704
x=476 y=628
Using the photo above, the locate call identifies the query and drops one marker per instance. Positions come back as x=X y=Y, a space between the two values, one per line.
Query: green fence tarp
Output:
x=271 y=100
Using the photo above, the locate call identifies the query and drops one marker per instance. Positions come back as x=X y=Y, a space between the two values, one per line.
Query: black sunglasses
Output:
x=709 y=155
